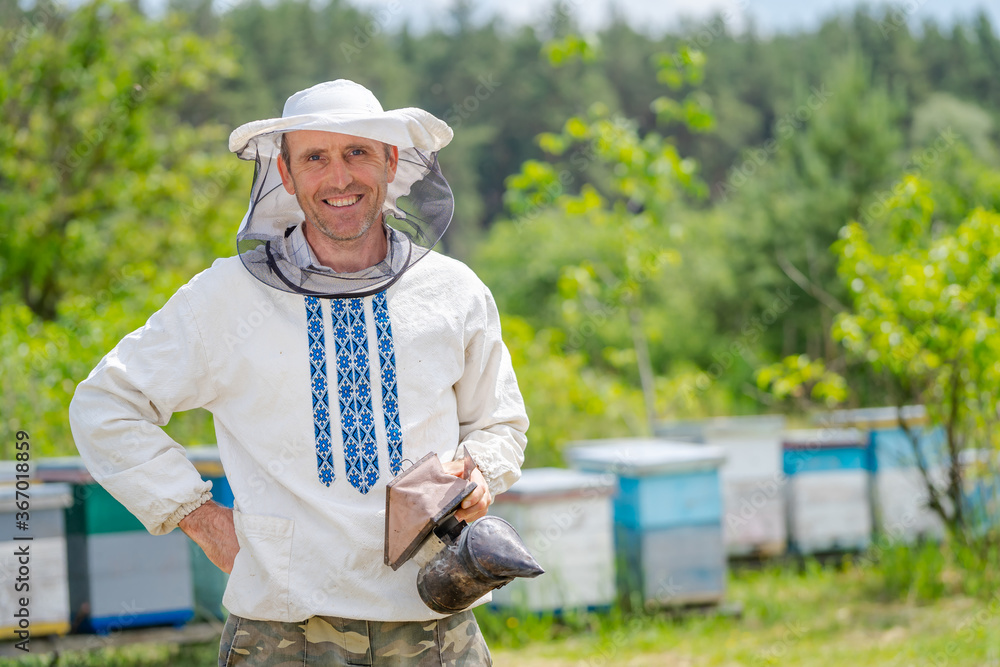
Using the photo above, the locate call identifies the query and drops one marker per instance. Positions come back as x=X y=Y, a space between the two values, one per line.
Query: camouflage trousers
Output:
x=327 y=640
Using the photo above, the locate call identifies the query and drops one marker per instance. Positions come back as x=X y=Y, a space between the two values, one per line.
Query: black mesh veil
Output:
x=418 y=209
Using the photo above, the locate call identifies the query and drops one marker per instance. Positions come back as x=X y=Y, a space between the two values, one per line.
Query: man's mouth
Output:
x=340 y=202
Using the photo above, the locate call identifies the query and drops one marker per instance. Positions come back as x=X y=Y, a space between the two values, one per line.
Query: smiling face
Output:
x=339 y=180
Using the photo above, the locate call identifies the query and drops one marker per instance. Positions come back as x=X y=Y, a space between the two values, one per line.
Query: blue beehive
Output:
x=668 y=517
x=899 y=490
x=828 y=490
x=981 y=488
x=752 y=498
x=120 y=576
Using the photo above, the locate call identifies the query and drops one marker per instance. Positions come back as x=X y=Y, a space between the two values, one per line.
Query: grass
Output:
x=809 y=616
x=909 y=608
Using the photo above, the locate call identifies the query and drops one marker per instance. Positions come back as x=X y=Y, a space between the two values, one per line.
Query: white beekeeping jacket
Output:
x=308 y=477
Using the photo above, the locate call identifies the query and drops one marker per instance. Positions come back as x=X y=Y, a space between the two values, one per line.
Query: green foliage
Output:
x=910 y=572
x=925 y=315
x=85 y=148
x=569 y=48
x=832 y=147
x=943 y=112
x=629 y=183
x=113 y=202
x=624 y=251
x=920 y=573
x=566 y=399
x=800 y=377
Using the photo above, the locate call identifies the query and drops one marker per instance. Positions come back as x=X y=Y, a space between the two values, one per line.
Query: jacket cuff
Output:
x=171 y=521
x=498 y=472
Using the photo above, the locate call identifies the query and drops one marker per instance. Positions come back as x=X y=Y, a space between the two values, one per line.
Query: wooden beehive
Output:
x=828 y=487
x=565 y=519
x=668 y=517
x=899 y=490
x=752 y=497
x=120 y=576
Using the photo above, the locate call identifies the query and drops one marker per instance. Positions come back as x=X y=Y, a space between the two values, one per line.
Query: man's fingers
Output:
x=479 y=501
x=472 y=513
x=455 y=468
x=475 y=497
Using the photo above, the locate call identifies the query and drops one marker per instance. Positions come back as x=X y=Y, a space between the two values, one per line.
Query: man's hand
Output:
x=479 y=500
x=211 y=527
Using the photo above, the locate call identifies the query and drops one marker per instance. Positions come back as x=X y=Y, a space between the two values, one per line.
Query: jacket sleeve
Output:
x=117 y=413
x=492 y=417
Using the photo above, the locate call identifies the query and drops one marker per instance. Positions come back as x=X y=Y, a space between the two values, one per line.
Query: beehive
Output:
x=46 y=575
x=668 y=517
x=828 y=487
x=565 y=519
x=899 y=489
x=752 y=498
x=981 y=488
x=120 y=576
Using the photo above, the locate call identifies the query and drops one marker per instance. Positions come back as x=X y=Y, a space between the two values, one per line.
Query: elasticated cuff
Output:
x=498 y=472
x=182 y=511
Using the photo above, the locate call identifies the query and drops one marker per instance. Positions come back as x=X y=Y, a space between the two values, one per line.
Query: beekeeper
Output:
x=335 y=347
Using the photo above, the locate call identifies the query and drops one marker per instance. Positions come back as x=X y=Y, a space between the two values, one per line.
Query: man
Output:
x=331 y=351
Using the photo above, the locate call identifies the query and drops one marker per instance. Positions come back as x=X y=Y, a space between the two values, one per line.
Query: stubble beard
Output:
x=329 y=233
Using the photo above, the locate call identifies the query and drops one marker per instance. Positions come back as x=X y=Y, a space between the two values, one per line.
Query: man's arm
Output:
x=117 y=415
x=492 y=417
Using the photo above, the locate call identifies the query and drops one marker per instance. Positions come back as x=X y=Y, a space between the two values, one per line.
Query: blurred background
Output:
x=662 y=208
x=684 y=210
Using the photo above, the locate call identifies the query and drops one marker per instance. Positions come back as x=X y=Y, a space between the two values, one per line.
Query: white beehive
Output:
x=48 y=581
x=667 y=513
x=828 y=490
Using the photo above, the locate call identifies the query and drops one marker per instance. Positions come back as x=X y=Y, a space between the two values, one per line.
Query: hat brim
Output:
x=403 y=128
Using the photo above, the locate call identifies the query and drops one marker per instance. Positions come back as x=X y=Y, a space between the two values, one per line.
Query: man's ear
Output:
x=286 y=176
x=393 y=162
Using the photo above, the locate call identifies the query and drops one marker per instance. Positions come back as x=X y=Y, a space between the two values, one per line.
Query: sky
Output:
x=658 y=15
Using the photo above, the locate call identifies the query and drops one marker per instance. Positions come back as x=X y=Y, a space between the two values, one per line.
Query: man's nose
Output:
x=338 y=174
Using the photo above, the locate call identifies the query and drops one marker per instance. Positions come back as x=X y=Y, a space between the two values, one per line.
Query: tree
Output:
x=833 y=147
x=91 y=150
x=925 y=317
x=923 y=277
x=110 y=202
x=623 y=191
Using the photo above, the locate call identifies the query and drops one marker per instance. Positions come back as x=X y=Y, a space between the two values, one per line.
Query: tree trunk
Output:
x=646 y=375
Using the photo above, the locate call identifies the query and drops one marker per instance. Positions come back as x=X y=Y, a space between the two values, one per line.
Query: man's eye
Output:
x=358 y=151
x=313 y=157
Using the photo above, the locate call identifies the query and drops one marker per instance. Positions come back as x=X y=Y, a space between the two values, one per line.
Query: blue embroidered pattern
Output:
x=320 y=399
x=357 y=420
x=354 y=389
x=390 y=400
